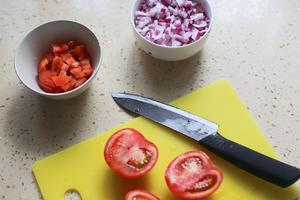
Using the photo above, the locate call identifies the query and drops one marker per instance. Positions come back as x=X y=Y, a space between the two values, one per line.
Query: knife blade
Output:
x=206 y=133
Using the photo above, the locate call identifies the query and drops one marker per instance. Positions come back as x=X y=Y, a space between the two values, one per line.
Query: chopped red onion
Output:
x=171 y=22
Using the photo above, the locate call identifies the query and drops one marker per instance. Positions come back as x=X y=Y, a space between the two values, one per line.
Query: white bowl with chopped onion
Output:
x=171 y=29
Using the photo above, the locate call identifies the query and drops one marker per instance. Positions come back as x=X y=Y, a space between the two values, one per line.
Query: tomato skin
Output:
x=193 y=176
x=129 y=154
x=140 y=195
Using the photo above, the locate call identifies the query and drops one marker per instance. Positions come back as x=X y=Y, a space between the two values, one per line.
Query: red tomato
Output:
x=79 y=82
x=59 y=49
x=80 y=52
x=86 y=67
x=68 y=58
x=77 y=72
x=57 y=64
x=129 y=154
x=61 y=80
x=140 y=195
x=192 y=175
x=45 y=81
x=65 y=68
x=70 y=85
x=45 y=62
x=45 y=87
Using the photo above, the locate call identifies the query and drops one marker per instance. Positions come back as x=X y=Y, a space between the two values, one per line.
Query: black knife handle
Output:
x=251 y=161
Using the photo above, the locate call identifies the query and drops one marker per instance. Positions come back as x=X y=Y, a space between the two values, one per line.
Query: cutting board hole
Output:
x=72 y=195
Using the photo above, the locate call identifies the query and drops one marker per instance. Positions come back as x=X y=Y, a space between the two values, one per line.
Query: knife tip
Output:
x=118 y=95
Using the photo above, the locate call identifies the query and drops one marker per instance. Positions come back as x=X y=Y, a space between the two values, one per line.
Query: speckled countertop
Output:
x=254 y=44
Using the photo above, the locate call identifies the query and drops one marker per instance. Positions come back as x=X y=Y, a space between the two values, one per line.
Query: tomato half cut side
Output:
x=193 y=175
x=129 y=154
x=140 y=195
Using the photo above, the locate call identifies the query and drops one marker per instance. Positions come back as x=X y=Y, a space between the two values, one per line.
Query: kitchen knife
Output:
x=206 y=133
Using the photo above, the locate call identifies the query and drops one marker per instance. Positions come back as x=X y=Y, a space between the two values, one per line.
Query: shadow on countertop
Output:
x=162 y=78
x=38 y=126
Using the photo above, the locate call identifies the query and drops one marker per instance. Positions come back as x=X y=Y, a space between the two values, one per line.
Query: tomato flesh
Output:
x=129 y=154
x=67 y=67
x=140 y=195
x=192 y=175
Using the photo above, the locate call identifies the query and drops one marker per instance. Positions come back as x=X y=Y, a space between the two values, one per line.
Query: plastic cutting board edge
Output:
x=82 y=166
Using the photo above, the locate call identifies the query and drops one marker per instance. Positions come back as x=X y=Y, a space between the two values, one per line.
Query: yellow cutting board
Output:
x=82 y=167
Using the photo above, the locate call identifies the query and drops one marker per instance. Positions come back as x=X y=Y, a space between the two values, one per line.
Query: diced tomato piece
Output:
x=86 y=67
x=70 y=85
x=80 y=81
x=62 y=73
x=45 y=62
x=75 y=64
x=65 y=67
x=43 y=65
x=88 y=71
x=46 y=88
x=68 y=58
x=77 y=72
x=59 y=49
x=59 y=90
x=49 y=56
x=80 y=52
x=57 y=64
x=61 y=80
x=85 y=62
x=45 y=78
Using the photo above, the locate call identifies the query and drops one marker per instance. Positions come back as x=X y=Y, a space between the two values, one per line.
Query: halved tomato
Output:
x=192 y=175
x=140 y=195
x=129 y=154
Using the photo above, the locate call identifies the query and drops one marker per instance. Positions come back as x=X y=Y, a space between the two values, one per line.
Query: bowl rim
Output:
x=170 y=47
x=96 y=68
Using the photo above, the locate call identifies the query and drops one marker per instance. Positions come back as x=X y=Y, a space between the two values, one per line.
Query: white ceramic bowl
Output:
x=171 y=53
x=38 y=42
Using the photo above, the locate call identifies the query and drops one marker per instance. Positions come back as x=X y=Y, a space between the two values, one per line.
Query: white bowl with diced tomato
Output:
x=58 y=59
x=171 y=29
